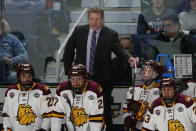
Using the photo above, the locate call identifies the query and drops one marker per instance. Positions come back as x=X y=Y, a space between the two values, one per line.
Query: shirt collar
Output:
x=97 y=31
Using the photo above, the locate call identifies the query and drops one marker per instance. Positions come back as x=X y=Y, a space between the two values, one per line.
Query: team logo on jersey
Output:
x=79 y=115
x=156 y=92
x=175 y=125
x=12 y=94
x=180 y=109
x=91 y=97
x=25 y=115
x=157 y=112
x=36 y=94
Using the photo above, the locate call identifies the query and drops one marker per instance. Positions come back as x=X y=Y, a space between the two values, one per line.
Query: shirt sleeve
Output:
x=149 y=122
x=129 y=96
x=46 y=109
x=192 y=113
x=20 y=54
x=61 y=112
x=142 y=25
x=6 y=115
x=96 y=121
x=191 y=91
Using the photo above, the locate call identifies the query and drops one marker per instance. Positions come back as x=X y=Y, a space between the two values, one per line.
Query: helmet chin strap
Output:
x=77 y=90
x=169 y=101
x=148 y=82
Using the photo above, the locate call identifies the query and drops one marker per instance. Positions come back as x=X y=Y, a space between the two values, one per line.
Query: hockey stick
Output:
x=71 y=113
x=134 y=76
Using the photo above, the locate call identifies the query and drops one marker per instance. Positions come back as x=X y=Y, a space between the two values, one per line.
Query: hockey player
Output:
x=171 y=112
x=139 y=98
x=191 y=91
x=79 y=102
x=27 y=105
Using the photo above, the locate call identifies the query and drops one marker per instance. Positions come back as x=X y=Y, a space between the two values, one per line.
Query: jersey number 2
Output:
x=100 y=104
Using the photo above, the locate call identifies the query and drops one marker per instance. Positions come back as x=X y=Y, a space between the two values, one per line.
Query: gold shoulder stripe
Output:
x=19 y=87
x=187 y=98
x=46 y=87
x=100 y=89
x=58 y=87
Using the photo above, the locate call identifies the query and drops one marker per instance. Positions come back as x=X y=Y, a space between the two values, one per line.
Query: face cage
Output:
x=148 y=68
x=170 y=100
x=76 y=90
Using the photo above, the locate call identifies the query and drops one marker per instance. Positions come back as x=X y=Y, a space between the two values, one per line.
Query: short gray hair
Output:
x=5 y=28
x=96 y=9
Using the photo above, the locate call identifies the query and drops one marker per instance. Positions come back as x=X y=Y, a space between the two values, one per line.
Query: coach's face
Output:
x=95 y=20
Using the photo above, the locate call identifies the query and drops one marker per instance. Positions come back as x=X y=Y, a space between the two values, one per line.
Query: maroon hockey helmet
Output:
x=25 y=68
x=167 y=81
x=156 y=66
x=78 y=70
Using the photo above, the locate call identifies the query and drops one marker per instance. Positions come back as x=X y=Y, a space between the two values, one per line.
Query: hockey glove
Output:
x=133 y=106
x=129 y=122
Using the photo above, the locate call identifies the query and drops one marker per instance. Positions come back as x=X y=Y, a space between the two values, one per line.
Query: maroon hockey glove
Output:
x=133 y=106
x=129 y=122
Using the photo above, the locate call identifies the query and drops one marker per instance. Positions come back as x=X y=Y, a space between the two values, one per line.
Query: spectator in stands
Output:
x=21 y=37
x=12 y=51
x=176 y=6
x=171 y=41
x=190 y=88
x=150 y=20
x=188 y=19
x=122 y=72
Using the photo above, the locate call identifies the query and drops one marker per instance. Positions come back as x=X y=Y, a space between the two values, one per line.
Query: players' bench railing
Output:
x=59 y=74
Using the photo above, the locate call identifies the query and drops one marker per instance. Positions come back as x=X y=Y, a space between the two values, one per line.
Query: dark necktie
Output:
x=92 y=53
